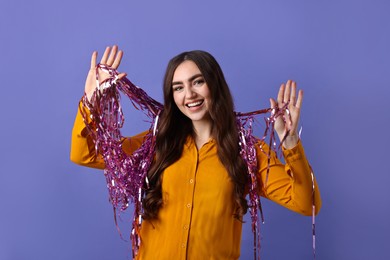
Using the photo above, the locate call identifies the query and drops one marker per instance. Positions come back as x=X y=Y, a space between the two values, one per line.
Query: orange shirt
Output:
x=196 y=220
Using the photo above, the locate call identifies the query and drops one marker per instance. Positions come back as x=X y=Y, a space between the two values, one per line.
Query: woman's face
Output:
x=190 y=92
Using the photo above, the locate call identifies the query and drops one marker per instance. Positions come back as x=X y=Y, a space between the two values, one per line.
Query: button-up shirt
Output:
x=196 y=219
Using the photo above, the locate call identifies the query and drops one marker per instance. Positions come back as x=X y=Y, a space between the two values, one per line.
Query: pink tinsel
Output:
x=126 y=175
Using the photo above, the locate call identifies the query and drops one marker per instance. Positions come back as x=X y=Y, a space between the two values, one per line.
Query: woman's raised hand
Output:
x=288 y=93
x=111 y=58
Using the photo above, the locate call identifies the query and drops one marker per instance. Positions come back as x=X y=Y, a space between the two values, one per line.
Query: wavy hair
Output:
x=170 y=139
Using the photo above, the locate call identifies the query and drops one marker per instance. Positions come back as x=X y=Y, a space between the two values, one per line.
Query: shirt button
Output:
x=183 y=245
x=185 y=227
x=188 y=205
x=191 y=181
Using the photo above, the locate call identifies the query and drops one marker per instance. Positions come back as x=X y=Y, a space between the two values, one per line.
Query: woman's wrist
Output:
x=290 y=142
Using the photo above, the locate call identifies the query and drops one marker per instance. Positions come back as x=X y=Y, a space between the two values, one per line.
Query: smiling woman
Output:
x=192 y=97
x=193 y=195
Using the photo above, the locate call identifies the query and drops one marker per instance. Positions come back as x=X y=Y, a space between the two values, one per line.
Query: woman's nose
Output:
x=190 y=93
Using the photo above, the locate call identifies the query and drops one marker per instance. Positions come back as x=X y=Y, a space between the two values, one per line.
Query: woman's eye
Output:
x=198 y=82
x=178 y=88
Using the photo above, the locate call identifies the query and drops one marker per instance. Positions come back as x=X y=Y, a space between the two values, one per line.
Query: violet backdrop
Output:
x=337 y=51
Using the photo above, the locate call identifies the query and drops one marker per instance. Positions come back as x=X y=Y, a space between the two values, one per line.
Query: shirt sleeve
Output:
x=83 y=151
x=289 y=185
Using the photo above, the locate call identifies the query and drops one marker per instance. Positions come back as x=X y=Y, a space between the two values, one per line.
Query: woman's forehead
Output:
x=185 y=71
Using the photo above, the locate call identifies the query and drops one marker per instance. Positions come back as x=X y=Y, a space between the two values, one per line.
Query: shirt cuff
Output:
x=295 y=153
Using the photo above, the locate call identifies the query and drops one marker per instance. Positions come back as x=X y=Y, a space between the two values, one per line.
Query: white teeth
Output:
x=195 y=104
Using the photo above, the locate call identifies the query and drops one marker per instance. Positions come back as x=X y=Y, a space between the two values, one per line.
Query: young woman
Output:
x=198 y=180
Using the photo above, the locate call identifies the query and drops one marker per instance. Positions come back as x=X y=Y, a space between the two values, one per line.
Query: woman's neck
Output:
x=202 y=131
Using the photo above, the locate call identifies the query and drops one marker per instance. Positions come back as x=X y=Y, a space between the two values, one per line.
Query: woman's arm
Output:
x=289 y=185
x=83 y=151
x=83 y=147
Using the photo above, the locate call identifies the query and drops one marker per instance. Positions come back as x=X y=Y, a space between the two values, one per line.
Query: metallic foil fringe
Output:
x=126 y=175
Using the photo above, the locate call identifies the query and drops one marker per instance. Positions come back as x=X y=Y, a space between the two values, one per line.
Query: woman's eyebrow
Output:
x=190 y=79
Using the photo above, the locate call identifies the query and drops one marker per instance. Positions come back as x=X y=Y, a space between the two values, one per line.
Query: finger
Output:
x=287 y=117
x=287 y=91
x=93 y=60
x=111 y=58
x=273 y=110
x=300 y=99
x=293 y=93
x=117 y=60
x=105 y=55
x=273 y=104
x=280 y=95
x=122 y=75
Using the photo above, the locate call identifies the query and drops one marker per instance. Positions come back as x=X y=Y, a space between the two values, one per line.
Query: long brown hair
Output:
x=170 y=138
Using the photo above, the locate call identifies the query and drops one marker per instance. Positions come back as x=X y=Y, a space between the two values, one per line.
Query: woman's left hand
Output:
x=288 y=93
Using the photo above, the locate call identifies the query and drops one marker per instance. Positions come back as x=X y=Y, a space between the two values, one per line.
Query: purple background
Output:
x=337 y=51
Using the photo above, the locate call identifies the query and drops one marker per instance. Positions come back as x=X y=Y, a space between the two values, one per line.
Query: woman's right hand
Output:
x=111 y=58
